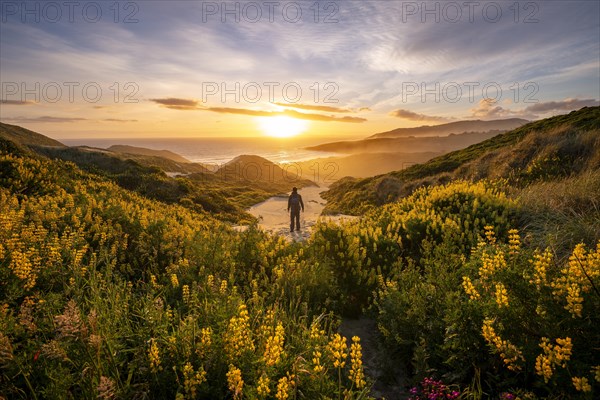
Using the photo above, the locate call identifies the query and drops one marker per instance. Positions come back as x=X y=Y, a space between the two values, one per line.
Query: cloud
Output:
x=187 y=104
x=487 y=108
x=311 y=107
x=17 y=102
x=119 y=120
x=45 y=119
x=413 y=116
x=490 y=109
x=178 y=104
x=565 y=105
x=286 y=113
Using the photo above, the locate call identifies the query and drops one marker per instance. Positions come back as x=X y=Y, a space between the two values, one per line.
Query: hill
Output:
x=543 y=150
x=438 y=144
x=125 y=149
x=26 y=137
x=226 y=193
x=258 y=169
x=362 y=165
x=454 y=128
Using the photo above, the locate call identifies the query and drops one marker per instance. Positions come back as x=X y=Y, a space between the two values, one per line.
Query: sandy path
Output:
x=273 y=216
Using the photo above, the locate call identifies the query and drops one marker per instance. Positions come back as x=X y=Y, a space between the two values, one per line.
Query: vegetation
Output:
x=568 y=144
x=480 y=288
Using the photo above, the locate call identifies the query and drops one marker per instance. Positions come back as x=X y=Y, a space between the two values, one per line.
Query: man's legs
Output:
x=294 y=215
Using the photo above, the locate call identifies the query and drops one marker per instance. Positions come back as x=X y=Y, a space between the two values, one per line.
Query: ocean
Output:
x=220 y=150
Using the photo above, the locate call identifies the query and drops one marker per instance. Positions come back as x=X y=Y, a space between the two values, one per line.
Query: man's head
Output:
x=294 y=189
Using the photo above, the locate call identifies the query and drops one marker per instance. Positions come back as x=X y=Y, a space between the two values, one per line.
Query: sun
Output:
x=282 y=127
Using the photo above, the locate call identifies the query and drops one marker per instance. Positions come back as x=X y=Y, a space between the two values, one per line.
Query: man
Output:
x=294 y=204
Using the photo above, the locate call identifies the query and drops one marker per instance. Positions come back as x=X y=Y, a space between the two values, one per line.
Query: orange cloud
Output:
x=287 y=113
x=311 y=107
x=413 y=116
x=178 y=104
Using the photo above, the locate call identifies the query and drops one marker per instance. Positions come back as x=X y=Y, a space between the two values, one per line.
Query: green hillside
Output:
x=470 y=289
x=225 y=193
x=547 y=149
x=24 y=136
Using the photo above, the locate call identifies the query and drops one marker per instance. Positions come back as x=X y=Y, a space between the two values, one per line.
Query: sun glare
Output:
x=282 y=127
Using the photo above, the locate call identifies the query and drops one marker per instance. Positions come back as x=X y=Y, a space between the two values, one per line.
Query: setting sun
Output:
x=282 y=127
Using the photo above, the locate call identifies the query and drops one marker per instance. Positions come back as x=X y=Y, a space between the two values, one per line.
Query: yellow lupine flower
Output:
x=185 y=294
x=541 y=263
x=237 y=338
x=501 y=295
x=470 y=289
x=235 y=383
x=510 y=354
x=174 y=280
x=356 y=375
x=283 y=388
x=596 y=372
x=274 y=347
x=154 y=356
x=489 y=233
x=192 y=379
x=553 y=356
x=263 y=388
x=582 y=384
x=318 y=367
x=514 y=241
x=337 y=350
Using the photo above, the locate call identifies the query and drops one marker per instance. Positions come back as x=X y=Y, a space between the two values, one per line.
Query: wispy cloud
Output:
x=286 y=113
x=17 y=102
x=413 y=116
x=489 y=109
x=119 y=120
x=175 y=103
x=311 y=107
x=565 y=105
x=45 y=119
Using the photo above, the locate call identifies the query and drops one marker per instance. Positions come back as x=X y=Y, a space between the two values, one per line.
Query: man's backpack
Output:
x=295 y=200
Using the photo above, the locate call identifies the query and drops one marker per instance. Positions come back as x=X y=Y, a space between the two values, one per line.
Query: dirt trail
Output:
x=273 y=215
x=387 y=385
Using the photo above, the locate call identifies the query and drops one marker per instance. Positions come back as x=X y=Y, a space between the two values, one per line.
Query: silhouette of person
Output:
x=295 y=204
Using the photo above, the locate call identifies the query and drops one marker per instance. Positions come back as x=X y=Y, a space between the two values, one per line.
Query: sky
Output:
x=340 y=68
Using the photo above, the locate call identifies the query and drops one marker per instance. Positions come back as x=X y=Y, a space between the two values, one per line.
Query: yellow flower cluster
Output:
x=192 y=379
x=356 y=376
x=22 y=266
x=185 y=294
x=470 y=289
x=174 y=280
x=491 y=264
x=154 y=356
x=489 y=234
x=235 y=383
x=553 y=356
x=510 y=354
x=223 y=288
x=582 y=384
x=501 y=295
x=541 y=263
x=318 y=367
x=284 y=386
x=338 y=350
x=514 y=241
x=596 y=372
x=237 y=338
x=577 y=277
x=274 y=347
x=263 y=389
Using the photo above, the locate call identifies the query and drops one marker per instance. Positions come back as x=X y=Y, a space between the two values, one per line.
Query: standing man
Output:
x=295 y=203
